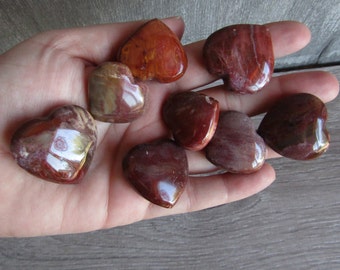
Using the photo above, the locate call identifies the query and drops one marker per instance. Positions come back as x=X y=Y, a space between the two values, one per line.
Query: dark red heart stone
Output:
x=242 y=55
x=158 y=171
x=154 y=52
x=295 y=127
x=192 y=118
x=57 y=148
x=236 y=147
x=114 y=96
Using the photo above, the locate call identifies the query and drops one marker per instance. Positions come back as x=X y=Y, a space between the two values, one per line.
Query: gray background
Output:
x=293 y=224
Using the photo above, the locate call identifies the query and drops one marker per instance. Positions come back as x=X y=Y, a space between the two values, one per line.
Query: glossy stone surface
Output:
x=114 y=96
x=295 y=127
x=236 y=146
x=154 y=52
x=192 y=118
x=158 y=171
x=57 y=148
x=242 y=55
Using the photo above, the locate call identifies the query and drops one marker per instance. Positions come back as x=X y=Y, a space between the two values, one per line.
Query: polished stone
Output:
x=158 y=170
x=242 y=55
x=154 y=52
x=114 y=96
x=295 y=127
x=236 y=147
x=57 y=148
x=192 y=118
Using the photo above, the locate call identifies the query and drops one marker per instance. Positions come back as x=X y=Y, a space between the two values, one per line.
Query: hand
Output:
x=51 y=69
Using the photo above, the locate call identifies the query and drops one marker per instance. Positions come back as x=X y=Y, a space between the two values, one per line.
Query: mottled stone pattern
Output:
x=114 y=96
x=192 y=118
x=57 y=148
x=236 y=146
x=158 y=170
x=242 y=55
x=154 y=52
x=295 y=127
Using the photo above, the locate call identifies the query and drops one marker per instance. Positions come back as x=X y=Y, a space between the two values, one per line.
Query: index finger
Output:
x=287 y=37
x=99 y=43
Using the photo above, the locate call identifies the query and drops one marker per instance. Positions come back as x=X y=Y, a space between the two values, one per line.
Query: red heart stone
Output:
x=158 y=171
x=192 y=118
x=295 y=127
x=236 y=146
x=154 y=52
x=113 y=94
x=57 y=148
x=242 y=55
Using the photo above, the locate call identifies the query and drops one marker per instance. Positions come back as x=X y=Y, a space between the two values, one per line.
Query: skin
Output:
x=52 y=68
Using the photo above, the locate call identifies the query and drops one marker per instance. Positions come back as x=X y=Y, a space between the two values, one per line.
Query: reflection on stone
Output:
x=158 y=171
x=58 y=148
x=242 y=55
x=114 y=95
x=192 y=118
x=236 y=147
x=295 y=127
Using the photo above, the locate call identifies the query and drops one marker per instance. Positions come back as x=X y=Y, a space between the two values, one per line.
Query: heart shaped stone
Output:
x=236 y=147
x=192 y=118
x=158 y=170
x=114 y=96
x=57 y=148
x=242 y=55
x=295 y=127
x=154 y=52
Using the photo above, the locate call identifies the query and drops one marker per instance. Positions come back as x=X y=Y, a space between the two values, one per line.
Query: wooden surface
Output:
x=293 y=224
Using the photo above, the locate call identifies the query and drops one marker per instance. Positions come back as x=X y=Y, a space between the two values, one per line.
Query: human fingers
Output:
x=319 y=83
x=287 y=37
x=99 y=43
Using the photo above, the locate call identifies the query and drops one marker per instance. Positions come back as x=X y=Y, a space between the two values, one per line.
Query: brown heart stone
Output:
x=295 y=127
x=236 y=147
x=57 y=148
x=242 y=55
x=158 y=170
x=192 y=118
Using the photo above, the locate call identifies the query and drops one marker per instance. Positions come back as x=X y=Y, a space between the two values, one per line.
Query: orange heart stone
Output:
x=154 y=52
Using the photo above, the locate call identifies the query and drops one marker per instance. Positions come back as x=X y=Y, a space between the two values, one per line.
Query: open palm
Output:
x=51 y=69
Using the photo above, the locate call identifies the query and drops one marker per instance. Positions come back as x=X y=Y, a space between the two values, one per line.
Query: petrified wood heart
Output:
x=192 y=118
x=242 y=55
x=158 y=171
x=114 y=96
x=57 y=148
x=295 y=127
x=236 y=146
x=154 y=52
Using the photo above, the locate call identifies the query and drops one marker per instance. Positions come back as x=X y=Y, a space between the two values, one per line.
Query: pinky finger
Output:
x=225 y=188
x=206 y=192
